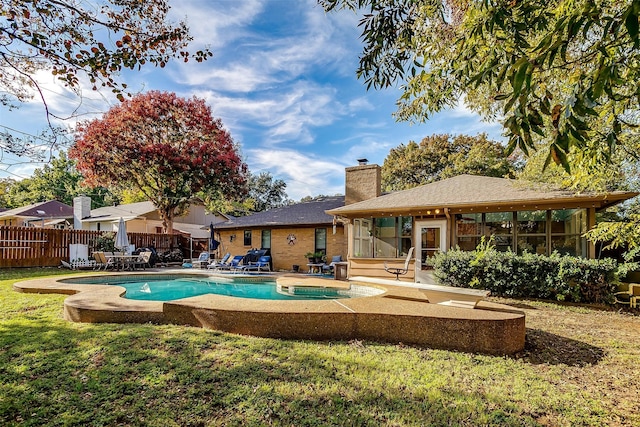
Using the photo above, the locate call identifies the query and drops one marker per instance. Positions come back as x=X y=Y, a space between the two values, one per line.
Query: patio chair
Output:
x=399 y=270
x=263 y=263
x=223 y=262
x=201 y=261
x=143 y=260
x=233 y=264
x=101 y=260
x=329 y=267
x=630 y=297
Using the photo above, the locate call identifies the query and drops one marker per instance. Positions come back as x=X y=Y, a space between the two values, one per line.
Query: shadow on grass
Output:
x=543 y=347
x=57 y=373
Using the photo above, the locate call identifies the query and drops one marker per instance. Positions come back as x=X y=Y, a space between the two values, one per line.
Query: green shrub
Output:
x=528 y=275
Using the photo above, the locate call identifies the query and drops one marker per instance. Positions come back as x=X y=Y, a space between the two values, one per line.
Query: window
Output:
x=567 y=227
x=469 y=230
x=266 y=239
x=321 y=240
x=532 y=232
x=382 y=237
x=247 y=237
x=539 y=232
x=500 y=225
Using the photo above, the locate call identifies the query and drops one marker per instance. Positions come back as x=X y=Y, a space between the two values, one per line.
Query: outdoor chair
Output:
x=202 y=260
x=263 y=263
x=100 y=260
x=233 y=264
x=400 y=270
x=330 y=267
x=143 y=260
x=630 y=297
x=222 y=263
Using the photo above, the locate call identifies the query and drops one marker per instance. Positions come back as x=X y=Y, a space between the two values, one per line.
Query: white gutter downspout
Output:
x=449 y=227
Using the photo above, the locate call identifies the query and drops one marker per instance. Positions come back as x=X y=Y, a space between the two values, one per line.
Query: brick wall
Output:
x=362 y=183
x=284 y=254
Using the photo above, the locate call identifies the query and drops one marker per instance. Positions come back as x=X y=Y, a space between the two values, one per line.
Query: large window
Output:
x=362 y=243
x=266 y=239
x=469 y=230
x=321 y=240
x=500 y=225
x=540 y=232
x=532 y=232
x=382 y=237
x=567 y=227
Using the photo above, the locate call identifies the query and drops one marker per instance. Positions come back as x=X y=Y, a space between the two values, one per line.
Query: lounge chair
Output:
x=263 y=263
x=330 y=267
x=630 y=296
x=233 y=264
x=100 y=260
x=201 y=261
x=400 y=270
x=143 y=260
x=223 y=262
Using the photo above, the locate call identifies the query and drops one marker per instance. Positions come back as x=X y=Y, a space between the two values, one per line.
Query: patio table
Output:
x=123 y=262
x=314 y=267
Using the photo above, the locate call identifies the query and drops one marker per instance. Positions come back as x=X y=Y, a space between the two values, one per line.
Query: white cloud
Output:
x=290 y=115
x=216 y=24
x=324 y=177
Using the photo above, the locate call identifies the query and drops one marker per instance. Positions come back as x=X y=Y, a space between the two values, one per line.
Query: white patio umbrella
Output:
x=122 y=240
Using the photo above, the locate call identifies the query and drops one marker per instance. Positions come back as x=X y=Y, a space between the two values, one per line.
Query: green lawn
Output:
x=581 y=367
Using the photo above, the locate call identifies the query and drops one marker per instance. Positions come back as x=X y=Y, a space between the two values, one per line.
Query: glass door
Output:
x=431 y=237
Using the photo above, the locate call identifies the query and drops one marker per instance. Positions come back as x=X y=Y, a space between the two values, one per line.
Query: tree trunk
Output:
x=167 y=220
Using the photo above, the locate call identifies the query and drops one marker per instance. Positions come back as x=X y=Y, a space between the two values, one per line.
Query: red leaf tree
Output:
x=168 y=147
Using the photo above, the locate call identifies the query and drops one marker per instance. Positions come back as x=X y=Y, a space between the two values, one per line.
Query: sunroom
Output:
x=458 y=212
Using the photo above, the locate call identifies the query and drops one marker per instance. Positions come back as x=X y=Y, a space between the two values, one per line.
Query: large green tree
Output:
x=59 y=180
x=442 y=156
x=564 y=71
x=71 y=39
x=266 y=193
x=167 y=147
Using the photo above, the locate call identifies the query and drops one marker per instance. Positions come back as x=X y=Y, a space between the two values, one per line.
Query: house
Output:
x=289 y=232
x=49 y=214
x=458 y=212
x=142 y=217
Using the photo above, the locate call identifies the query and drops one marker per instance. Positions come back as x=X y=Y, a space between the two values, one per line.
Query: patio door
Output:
x=430 y=237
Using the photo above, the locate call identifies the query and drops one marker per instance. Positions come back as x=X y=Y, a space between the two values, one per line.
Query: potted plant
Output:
x=311 y=257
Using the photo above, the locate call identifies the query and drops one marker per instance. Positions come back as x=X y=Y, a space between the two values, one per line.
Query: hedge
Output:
x=563 y=278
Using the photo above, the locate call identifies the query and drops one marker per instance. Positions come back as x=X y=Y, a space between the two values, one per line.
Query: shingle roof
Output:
x=129 y=210
x=48 y=209
x=467 y=191
x=307 y=213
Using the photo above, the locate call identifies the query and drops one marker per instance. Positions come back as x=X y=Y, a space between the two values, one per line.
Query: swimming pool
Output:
x=170 y=288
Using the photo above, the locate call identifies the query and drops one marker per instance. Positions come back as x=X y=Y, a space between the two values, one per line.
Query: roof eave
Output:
x=596 y=201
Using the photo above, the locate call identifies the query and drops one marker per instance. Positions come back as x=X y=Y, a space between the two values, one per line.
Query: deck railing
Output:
x=46 y=247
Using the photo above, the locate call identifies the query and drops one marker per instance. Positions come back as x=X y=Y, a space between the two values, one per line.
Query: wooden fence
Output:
x=46 y=247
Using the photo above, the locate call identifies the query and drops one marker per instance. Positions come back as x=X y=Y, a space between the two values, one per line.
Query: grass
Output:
x=579 y=368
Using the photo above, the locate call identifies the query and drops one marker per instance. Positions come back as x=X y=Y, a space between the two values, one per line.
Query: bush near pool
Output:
x=563 y=278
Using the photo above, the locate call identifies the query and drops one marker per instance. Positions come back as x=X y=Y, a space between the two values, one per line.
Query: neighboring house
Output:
x=142 y=217
x=289 y=232
x=49 y=214
x=458 y=212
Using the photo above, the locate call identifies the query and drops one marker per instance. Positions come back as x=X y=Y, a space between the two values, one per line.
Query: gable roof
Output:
x=48 y=209
x=299 y=214
x=127 y=211
x=469 y=192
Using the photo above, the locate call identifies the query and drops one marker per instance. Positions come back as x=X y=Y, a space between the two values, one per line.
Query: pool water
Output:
x=172 y=289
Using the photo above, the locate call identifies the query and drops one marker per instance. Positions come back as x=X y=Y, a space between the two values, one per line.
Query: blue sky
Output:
x=282 y=79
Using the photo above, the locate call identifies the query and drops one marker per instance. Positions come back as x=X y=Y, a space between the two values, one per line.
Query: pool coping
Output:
x=402 y=314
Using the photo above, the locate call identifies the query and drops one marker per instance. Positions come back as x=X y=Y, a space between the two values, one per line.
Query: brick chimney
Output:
x=81 y=209
x=362 y=182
